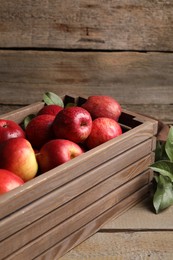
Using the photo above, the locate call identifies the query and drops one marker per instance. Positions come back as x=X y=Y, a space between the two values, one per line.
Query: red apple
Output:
x=18 y=156
x=57 y=152
x=50 y=110
x=39 y=130
x=103 y=106
x=9 y=181
x=72 y=123
x=10 y=129
x=103 y=130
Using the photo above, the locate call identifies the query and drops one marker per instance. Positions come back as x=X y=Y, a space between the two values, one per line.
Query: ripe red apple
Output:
x=50 y=110
x=72 y=123
x=18 y=156
x=103 y=106
x=9 y=181
x=103 y=129
x=56 y=152
x=39 y=130
x=10 y=129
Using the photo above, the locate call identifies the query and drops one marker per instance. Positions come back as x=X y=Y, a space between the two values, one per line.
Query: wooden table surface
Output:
x=139 y=233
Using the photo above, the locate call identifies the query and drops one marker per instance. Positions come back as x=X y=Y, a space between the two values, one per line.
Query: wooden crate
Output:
x=49 y=215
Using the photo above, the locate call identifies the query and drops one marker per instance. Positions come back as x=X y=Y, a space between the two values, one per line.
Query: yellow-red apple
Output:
x=18 y=156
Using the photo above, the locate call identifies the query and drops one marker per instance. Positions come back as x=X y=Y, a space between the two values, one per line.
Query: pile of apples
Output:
x=55 y=135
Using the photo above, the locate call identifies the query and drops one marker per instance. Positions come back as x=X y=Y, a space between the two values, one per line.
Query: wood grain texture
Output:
x=58 y=197
x=84 y=217
x=144 y=219
x=74 y=206
x=106 y=24
x=136 y=234
x=77 y=237
x=125 y=245
x=131 y=78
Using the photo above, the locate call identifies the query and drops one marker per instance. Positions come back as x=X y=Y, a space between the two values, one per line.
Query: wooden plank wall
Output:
x=122 y=48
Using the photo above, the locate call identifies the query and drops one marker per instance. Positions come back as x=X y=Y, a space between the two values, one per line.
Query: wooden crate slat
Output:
x=82 y=218
x=19 y=114
x=28 y=233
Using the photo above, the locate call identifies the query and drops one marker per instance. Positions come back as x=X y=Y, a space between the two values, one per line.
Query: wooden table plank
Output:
x=145 y=219
x=125 y=246
x=132 y=78
x=136 y=234
x=106 y=24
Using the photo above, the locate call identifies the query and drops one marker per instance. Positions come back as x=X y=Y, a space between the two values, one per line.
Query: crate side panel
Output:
x=69 y=226
x=62 y=195
x=58 y=176
x=74 y=206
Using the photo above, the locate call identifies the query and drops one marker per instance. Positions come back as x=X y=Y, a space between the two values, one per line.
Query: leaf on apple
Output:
x=50 y=98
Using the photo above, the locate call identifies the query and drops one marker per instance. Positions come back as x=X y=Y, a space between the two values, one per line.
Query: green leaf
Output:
x=156 y=177
x=50 y=98
x=160 y=153
x=163 y=197
x=165 y=168
x=169 y=144
x=27 y=119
